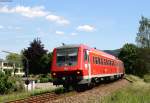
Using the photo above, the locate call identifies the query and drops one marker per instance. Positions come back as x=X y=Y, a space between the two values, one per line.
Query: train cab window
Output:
x=67 y=56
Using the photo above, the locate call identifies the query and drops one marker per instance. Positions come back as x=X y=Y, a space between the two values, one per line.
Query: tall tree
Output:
x=143 y=35
x=37 y=57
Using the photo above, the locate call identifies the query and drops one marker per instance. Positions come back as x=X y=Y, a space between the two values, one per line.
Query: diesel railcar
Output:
x=80 y=64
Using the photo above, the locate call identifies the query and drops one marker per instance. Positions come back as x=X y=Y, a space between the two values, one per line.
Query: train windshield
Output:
x=67 y=56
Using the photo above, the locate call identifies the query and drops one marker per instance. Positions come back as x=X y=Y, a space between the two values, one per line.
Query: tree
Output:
x=50 y=54
x=143 y=61
x=128 y=55
x=14 y=59
x=136 y=60
x=37 y=57
x=143 y=35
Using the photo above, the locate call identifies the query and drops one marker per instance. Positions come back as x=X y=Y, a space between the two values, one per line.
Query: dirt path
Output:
x=93 y=95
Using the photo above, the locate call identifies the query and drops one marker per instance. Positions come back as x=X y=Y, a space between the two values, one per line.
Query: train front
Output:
x=65 y=65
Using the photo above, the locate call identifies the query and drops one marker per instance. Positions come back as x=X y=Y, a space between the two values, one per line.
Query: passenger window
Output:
x=96 y=60
x=85 y=56
x=99 y=61
x=109 y=62
x=112 y=63
x=104 y=61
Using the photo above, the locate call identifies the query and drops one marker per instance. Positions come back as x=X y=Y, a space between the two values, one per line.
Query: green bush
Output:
x=9 y=84
x=147 y=78
x=44 y=78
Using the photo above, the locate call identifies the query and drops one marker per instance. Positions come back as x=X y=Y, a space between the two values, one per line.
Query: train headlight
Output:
x=54 y=74
x=78 y=72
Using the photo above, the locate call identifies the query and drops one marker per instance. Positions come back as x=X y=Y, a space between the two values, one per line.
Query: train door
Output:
x=87 y=63
x=117 y=65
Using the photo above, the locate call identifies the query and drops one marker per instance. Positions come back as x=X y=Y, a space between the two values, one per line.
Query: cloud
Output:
x=59 y=32
x=86 y=28
x=40 y=32
x=73 y=34
x=16 y=28
x=57 y=19
x=1 y=27
x=37 y=11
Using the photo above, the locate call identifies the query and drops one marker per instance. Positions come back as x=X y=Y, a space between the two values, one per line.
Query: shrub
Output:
x=44 y=78
x=9 y=84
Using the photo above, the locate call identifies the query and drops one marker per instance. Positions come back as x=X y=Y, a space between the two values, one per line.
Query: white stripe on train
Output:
x=101 y=75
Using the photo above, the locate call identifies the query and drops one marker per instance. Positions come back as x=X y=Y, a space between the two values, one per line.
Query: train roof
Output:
x=68 y=46
x=89 y=48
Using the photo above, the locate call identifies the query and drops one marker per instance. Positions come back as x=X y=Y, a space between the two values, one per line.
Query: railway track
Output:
x=47 y=97
x=50 y=97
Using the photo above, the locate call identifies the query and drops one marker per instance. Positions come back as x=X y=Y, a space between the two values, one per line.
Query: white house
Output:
x=7 y=66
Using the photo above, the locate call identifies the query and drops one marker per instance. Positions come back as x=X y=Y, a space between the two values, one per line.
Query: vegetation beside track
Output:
x=137 y=92
x=25 y=94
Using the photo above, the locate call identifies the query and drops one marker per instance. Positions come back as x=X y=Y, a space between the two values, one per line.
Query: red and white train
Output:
x=80 y=64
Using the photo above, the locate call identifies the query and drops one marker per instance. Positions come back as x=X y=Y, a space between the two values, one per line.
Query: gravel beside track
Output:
x=93 y=95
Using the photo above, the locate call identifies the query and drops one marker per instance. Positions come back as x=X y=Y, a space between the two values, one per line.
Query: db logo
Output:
x=66 y=69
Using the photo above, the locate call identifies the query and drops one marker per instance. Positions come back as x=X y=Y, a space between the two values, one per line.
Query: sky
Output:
x=104 y=24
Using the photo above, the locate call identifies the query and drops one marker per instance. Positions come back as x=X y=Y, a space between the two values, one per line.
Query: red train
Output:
x=79 y=64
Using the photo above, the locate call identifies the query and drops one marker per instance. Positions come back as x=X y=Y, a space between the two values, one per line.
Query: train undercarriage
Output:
x=79 y=84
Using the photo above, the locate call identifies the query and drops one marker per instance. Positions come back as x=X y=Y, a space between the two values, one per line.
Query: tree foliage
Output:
x=143 y=61
x=14 y=58
x=143 y=35
x=136 y=60
x=37 y=57
x=128 y=55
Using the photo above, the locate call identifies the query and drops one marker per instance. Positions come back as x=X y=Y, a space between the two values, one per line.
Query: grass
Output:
x=25 y=94
x=137 y=92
